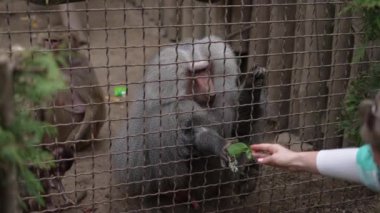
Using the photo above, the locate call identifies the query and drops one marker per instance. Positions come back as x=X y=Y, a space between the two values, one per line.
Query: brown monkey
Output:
x=79 y=113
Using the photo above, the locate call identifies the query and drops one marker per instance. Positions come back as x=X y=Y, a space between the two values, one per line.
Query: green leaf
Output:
x=237 y=149
x=248 y=154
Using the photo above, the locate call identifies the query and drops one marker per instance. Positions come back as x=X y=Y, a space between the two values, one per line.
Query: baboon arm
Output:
x=80 y=131
x=209 y=142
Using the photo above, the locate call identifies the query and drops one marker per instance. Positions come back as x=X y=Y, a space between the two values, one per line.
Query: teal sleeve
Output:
x=368 y=170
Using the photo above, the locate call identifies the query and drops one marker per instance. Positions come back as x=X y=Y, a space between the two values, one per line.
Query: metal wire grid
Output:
x=276 y=190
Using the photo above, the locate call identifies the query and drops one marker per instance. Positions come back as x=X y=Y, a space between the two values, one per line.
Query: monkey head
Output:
x=60 y=37
x=369 y=113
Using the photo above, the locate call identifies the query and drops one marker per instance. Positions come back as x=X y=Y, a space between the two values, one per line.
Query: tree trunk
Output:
x=279 y=64
x=298 y=63
x=313 y=89
x=258 y=49
x=340 y=71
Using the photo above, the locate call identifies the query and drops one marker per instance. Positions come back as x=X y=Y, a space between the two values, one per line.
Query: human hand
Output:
x=281 y=157
x=273 y=155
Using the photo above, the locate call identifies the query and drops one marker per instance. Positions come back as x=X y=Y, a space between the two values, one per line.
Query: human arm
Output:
x=336 y=163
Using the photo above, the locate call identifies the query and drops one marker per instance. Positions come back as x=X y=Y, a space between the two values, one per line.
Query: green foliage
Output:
x=360 y=89
x=371 y=17
x=37 y=80
x=370 y=10
x=237 y=149
x=41 y=76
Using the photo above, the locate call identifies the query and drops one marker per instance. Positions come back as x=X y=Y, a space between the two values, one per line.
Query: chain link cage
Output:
x=292 y=63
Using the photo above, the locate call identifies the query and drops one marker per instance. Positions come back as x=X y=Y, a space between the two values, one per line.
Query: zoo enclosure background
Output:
x=307 y=47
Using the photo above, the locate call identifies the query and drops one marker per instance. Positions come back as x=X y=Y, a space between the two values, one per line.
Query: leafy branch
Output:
x=371 y=17
x=36 y=78
x=367 y=82
x=360 y=88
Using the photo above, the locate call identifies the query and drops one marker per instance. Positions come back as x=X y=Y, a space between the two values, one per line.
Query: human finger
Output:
x=265 y=147
x=265 y=160
x=259 y=154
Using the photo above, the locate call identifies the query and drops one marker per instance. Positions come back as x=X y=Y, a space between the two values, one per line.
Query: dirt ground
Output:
x=89 y=180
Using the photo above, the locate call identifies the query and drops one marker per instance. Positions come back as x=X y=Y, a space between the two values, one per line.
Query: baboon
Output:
x=80 y=110
x=174 y=156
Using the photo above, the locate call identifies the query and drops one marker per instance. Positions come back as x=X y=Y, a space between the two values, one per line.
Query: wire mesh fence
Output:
x=199 y=75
